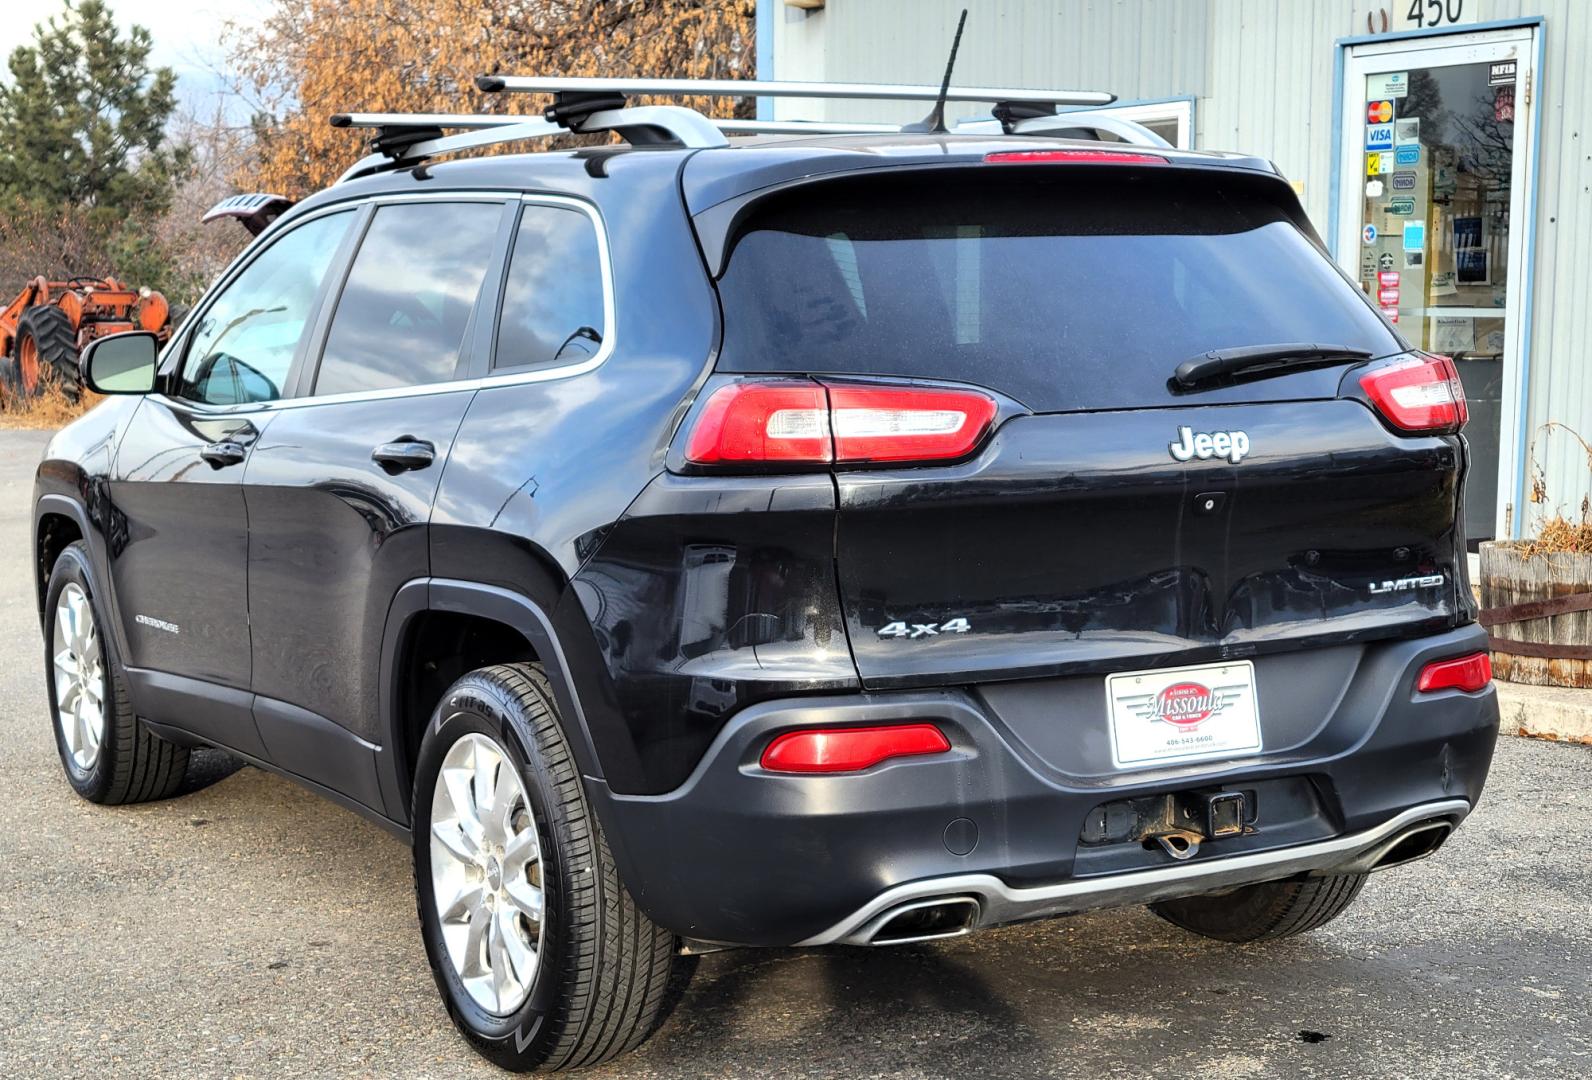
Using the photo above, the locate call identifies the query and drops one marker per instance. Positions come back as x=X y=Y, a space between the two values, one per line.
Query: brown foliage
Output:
x=1556 y=532
x=51 y=409
x=313 y=58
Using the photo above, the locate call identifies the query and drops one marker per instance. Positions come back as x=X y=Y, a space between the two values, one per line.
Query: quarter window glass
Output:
x=553 y=301
x=403 y=313
x=243 y=346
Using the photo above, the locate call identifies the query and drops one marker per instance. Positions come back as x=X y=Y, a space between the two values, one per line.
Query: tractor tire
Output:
x=45 y=352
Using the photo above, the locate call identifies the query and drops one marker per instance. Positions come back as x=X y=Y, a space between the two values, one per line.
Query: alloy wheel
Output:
x=79 y=677
x=486 y=874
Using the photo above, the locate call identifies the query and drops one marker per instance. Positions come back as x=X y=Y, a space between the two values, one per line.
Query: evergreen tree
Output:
x=82 y=122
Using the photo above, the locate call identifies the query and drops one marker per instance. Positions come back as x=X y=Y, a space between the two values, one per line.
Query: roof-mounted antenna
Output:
x=934 y=123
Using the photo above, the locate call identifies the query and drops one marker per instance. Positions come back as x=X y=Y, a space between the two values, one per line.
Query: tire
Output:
x=123 y=761
x=45 y=352
x=1272 y=909
x=597 y=984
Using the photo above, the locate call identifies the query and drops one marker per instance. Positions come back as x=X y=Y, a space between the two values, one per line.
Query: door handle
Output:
x=224 y=453
x=403 y=454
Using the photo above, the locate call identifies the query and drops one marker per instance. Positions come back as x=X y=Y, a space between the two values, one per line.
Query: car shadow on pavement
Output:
x=207 y=766
x=830 y=1007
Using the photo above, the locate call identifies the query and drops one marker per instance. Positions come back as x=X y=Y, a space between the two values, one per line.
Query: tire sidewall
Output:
x=476 y=705
x=72 y=567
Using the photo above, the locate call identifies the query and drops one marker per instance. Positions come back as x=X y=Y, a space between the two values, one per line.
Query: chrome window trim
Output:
x=511 y=378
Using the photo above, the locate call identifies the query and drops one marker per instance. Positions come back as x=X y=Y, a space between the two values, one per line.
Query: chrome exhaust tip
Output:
x=1404 y=847
x=1413 y=844
x=924 y=920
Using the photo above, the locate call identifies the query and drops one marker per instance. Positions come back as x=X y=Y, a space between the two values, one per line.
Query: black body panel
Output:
x=332 y=537
x=180 y=572
x=743 y=856
x=713 y=594
x=1076 y=542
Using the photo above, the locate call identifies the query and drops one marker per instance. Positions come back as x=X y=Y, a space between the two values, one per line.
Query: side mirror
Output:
x=121 y=363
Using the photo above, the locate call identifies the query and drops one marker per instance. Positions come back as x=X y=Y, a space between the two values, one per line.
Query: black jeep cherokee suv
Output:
x=849 y=540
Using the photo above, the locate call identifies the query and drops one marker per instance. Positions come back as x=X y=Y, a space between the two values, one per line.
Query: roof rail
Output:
x=535 y=84
x=803 y=127
x=1062 y=123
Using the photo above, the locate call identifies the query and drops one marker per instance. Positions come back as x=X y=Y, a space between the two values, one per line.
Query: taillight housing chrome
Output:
x=1468 y=673
x=790 y=422
x=1420 y=393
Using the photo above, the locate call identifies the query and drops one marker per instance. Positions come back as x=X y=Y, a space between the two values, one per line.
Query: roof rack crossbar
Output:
x=641 y=125
x=536 y=84
x=442 y=120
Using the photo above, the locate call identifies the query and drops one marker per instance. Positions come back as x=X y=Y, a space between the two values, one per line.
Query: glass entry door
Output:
x=1434 y=189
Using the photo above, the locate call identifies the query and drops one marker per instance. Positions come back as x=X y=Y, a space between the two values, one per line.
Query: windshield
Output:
x=1066 y=288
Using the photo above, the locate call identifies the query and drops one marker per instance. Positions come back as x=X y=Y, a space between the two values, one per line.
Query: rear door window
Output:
x=1068 y=288
x=553 y=301
x=410 y=296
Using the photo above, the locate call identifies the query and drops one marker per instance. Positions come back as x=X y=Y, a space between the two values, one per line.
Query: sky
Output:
x=187 y=37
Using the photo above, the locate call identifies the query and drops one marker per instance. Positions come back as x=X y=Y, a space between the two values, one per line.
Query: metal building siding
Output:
x=1560 y=386
x=1270 y=87
x=1138 y=49
x=1262 y=74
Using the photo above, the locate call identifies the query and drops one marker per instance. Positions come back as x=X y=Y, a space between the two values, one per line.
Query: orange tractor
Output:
x=44 y=329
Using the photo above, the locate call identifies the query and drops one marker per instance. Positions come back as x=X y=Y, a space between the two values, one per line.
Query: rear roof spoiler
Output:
x=254 y=211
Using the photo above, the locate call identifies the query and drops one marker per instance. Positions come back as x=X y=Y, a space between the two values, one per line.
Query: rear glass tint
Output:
x=1067 y=288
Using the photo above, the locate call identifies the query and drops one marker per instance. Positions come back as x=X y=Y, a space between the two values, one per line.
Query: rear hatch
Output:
x=1111 y=519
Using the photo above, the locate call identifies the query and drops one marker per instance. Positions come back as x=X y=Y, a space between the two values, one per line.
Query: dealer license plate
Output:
x=1183 y=714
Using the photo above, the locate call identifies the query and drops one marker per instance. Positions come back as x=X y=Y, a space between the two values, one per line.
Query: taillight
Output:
x=1468 y=673
x=1087 y=157
x=805 y=422
x=836 y=750
x=1422 y=393
x=769 y=421
x=906 y=423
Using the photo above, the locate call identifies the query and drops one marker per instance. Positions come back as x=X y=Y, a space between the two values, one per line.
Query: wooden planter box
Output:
x=1541 y=644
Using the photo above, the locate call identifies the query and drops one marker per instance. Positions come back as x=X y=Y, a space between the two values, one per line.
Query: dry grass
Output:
x=51 y=409
x=1559 y=534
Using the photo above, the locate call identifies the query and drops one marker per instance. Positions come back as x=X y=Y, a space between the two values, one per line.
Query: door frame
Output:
x=1354 y=57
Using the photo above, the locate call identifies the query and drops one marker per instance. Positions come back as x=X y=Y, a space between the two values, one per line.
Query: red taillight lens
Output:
x=768 y=421
x=795 y=422
x=1468 y=673
x=1087 y=157
x=836 y=750
x=1421 y=393
x=890 y=423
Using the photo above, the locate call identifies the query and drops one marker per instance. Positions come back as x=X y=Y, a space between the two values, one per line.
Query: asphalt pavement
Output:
x=250 y=929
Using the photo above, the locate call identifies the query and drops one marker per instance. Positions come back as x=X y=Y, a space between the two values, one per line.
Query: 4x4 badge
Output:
x=1232 y=445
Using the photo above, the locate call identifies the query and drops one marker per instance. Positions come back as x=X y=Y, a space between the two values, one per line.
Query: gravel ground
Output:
x=250 y=929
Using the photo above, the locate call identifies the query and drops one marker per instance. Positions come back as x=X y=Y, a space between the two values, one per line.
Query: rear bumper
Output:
x=742 y=856
x=994 y=902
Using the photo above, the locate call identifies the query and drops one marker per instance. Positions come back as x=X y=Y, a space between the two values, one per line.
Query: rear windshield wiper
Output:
x=1259 y=361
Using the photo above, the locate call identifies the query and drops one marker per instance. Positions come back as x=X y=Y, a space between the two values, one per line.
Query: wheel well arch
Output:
x=53 y=531
x=439 y=629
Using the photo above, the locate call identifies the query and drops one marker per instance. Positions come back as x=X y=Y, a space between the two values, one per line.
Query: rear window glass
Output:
x=1066 y=288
